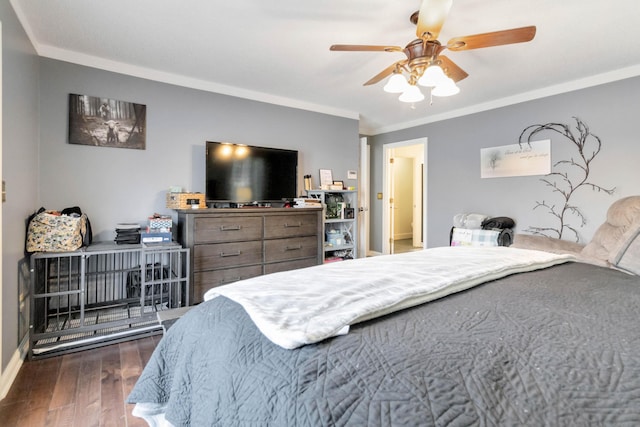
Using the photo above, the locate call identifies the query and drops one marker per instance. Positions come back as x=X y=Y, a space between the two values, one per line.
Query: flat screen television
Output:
x=237 y=173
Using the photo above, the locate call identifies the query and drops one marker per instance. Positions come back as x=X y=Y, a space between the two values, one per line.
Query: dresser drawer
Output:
x=205 y=280
x=227 y=229
x=290 y=225
x=290 y=265
x=220 y=255
x=292 y=248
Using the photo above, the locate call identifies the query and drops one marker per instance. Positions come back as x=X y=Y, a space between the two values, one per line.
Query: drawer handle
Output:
x=298 y=225
x=230 y=227
x=226 y=254
x=293 y=248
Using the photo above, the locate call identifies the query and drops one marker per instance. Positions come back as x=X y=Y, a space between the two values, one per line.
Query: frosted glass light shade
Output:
x=448 y=88
x=396 y=84
x=433 y=76
x=411 y=94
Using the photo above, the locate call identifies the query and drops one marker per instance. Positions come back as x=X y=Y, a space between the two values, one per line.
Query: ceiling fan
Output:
x=424 y=64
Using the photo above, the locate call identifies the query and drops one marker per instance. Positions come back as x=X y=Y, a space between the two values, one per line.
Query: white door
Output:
x=1 y=275
x=418 y=213
x=387 y=199
x=391 y=191
x=388 y=216
x=363 y=200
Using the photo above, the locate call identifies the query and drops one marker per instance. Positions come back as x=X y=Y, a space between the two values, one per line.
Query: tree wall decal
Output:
x=567 y=176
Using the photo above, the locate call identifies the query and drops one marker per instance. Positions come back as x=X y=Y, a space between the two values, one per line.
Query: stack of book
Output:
x=127 y=233
x=302 y=202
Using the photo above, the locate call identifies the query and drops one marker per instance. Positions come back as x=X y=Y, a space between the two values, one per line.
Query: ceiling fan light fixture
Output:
x=411 y=94
x=448 y=88
x=433 y=76
x=396 y=84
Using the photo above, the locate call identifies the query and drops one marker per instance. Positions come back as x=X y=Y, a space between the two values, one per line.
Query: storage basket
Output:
x=185 y=200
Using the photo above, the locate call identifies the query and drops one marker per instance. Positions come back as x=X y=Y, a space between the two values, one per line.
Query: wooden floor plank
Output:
x=131 y=368
x=64 y=393
x=88 y=396
x=10 y=413
x=43 y=384
x=145 y=348
x=34 y=417
x=86 y=388
x=63 y=416
x=112 y=409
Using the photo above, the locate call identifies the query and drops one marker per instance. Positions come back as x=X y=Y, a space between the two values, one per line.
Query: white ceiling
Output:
x=278 y=51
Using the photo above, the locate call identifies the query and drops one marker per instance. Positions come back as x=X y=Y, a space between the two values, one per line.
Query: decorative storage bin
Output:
x=160 y=223
x=185 y=200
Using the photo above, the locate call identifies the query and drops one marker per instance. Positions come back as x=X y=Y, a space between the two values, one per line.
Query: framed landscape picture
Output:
x=104 y=122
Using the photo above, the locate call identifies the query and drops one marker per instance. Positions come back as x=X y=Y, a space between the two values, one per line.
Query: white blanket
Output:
x=305 y=306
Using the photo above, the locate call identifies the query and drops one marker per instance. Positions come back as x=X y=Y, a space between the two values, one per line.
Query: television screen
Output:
x=243 y=173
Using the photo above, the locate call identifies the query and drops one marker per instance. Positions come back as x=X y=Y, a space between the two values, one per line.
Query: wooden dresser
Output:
x=233 y=244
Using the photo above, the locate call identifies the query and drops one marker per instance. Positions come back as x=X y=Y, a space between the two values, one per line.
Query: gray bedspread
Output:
x=555 y=347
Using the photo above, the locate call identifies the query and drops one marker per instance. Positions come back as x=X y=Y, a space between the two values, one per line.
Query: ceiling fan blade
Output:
x=364 y=48
x=431 y=18
x=451 y=69
x=384 y=73
x=497 y=38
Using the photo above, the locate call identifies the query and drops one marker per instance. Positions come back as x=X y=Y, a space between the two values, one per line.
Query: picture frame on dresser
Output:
x=326 y=177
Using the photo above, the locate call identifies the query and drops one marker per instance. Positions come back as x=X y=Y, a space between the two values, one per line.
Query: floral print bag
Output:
x=51 y=231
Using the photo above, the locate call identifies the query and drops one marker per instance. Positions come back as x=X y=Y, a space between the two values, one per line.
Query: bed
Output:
x=541 y=333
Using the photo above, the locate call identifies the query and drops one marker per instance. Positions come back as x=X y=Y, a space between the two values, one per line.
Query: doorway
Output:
x=404 y=204
x=363 y=199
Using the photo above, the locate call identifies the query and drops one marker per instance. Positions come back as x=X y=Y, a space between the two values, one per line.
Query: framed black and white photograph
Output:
x=104 y=122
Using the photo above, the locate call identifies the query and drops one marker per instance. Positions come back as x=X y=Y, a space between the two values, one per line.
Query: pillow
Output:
x=609 y=238
x=469 y=220
x=500 y=222
x=474 y=237
x=627 y=256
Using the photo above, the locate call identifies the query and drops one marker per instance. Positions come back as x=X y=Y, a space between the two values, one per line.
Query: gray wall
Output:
x=19 y=163
x=113 y=184
x=453 y=170
x=116 y=184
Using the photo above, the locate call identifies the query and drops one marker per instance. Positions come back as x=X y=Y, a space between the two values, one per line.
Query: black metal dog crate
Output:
x=102 y=294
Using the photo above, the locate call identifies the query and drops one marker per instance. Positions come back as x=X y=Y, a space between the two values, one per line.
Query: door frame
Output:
x=386 y=205
x=363 y=199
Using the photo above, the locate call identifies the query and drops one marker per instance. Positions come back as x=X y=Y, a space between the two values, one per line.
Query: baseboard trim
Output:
x=403 y=236
x=11 y=372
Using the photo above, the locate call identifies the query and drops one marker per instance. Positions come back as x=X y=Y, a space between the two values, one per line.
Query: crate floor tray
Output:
x=118 y=322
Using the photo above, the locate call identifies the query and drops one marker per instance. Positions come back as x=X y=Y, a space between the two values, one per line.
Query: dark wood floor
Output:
x=404 y=245
x=82 y=389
